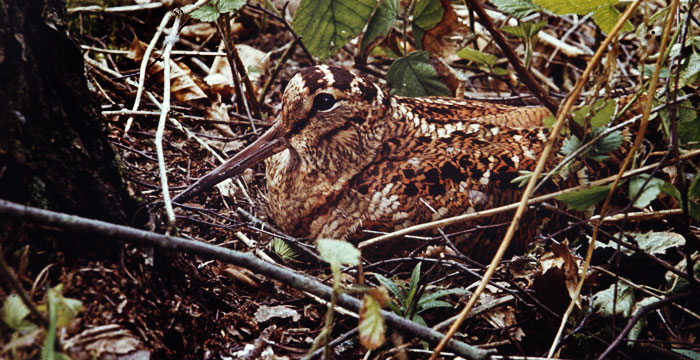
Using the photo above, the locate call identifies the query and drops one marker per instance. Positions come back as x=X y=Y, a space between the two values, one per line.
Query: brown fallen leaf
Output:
x=437 y=39
x=183 y=83
x=220 y=78
x=242 y=275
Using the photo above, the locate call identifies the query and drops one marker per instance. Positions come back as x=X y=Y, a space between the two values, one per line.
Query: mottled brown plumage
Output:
x=346 y=156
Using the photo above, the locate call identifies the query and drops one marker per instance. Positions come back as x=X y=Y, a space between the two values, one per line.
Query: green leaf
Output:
x=326 y=25
x=637 y=328
x=380 y=23
x=651 y=190
x=526 y=30
x=691 y=68
x=413 y=284
x=688 y=121
x=14 y=314
x=607 y=16
x=281 y=248
x=604 y=113
x=338 y=251
x=206 y=13
x=66 y=308
x=603 y=300
x=570 y=144
x=583 y=199
x=426 y=15
x=548 y=122
x=603 y=147
x=393 y=287
x=694 y=198
x=580 y=7
x=500 y=71
x=477 y=56
x=677 y=284
x=413 y=75
x=371 y=326
x=438 y=294
x=212 y=10
x=516 y=8
x=690 y=354
x=688 y=126
x=227 y=6
x=433 y=304
x=657 y=243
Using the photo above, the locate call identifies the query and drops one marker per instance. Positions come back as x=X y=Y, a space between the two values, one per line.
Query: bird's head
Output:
x=323 y=107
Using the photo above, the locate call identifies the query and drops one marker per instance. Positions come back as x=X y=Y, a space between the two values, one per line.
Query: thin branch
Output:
x=554 y=135
x=115 y=9
x=630 y=324
x=524 y=75
x=491 y=212
x=144 y=66
x=209 y=251
x=170 y=40
x=14 y=282
x=288 y=27
x=637 y=142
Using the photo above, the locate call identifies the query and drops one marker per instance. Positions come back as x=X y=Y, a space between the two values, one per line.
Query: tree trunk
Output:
x=54 y=151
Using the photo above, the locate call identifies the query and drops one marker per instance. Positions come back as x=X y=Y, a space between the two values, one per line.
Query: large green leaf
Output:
x=477 y=56
x=580 y=7
x=516 y=8
x=212 y=10
x=426 y=15
x=604 y=301
x=326 y=25
x=338 y=252
x=657 y=242
x=15 y=312
x=582 y=199
x=604 y=113
x=392 y=286
x=371 y=326
x=607 y=16
x=650 y=192
x=526 y=29
x=413 y=75
x=380 y=23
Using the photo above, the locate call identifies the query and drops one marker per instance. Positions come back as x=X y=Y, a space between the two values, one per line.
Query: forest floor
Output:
x=148 y=302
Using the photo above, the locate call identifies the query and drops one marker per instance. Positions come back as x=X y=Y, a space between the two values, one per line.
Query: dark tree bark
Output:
x=54 y=151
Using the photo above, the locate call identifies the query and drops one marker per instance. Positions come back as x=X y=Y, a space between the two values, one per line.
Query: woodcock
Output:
x=346 y=156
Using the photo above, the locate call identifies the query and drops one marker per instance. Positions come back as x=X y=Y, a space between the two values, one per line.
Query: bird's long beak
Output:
x=271 y=142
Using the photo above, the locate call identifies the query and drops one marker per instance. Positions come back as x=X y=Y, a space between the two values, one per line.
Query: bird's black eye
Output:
x=323 y=102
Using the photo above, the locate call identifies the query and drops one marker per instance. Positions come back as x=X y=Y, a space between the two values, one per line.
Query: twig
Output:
x=288 y=27
x=597 y=138
x=491 y=212
x=641 y=312
x=237 y=68
x=637 y=141
x=524 y=75
x=14 y=282
x=170 y=40
x=287 y=52
x=144 y=66
x=174 y=52
x=556 y=129
x=645 y=290
x=208 y=251
x=115 y=9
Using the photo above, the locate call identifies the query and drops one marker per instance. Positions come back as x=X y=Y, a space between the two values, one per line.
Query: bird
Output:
x=346 y=156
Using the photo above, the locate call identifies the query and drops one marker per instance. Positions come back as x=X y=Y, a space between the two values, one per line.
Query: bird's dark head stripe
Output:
x=314 y=79
x=343 y=78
